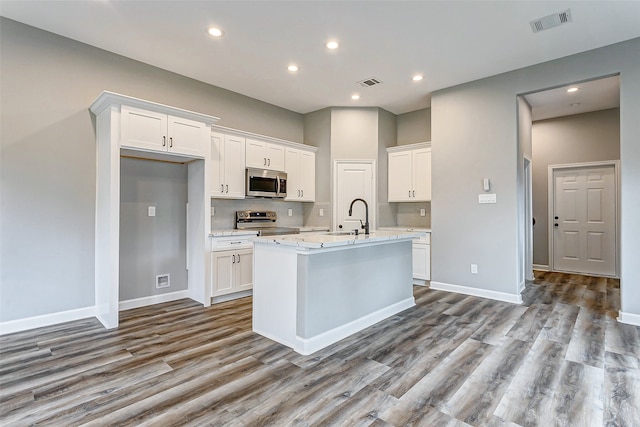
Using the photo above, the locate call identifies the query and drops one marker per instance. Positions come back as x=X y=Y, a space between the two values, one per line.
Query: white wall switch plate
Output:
x=487 y=198
x=290 y=212
x=474 y=268
x=151 y=211
x=423 y=212
x=321 y=212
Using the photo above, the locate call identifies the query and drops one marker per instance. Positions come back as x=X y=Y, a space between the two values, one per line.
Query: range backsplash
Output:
x=223 y=211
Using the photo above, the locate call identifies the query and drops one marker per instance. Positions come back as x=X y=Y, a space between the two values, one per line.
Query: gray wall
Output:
x=414 y=126
x=579 y=138
x=150 y=246
x=317 y=132
x=474 y=130
x=48 y=157
x=387 y=132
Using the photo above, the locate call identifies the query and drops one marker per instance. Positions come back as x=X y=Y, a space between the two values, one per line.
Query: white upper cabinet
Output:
x=227 y=166
x=409 y=176
x=154 y=131
x=264 y=155
x=300 y=166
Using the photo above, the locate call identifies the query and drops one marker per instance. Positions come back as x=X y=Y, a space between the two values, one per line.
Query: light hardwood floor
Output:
x=453 y=360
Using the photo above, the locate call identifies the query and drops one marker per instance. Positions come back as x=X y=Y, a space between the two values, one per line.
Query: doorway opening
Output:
x=568 y=128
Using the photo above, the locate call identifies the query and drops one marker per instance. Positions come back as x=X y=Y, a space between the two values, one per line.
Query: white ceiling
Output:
x=450 y=42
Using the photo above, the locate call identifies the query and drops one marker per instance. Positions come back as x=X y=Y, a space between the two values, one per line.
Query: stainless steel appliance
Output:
x=265 y=183
x=262 y=221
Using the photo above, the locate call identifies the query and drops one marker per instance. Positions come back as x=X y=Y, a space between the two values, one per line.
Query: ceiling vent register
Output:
x=551 y=21
x=371 y=81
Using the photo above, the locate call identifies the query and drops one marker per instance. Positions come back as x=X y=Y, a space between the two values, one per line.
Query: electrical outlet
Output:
x=151 y=211
x=423 y=212
x=321 y=212
x=474 y=268
x=290 y=212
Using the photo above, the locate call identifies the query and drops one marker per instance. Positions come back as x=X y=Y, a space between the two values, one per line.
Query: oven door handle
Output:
x=277 y=185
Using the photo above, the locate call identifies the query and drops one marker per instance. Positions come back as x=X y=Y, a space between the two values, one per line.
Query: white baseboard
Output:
x=523 y=284
x=306 y=346
x=19 y=325
x=484 y=293
x=629 y=318
x=153 y=299
x=540 y=267
x=230 y=297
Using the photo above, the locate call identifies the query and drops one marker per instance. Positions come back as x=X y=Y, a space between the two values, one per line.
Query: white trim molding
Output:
x=151 y=300
x=25 y=324
x=483 y=293
x=629 y=318
x=306 y=346
x=541 y=267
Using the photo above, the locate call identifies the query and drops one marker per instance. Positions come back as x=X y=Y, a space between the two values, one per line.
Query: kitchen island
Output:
x=312 y=290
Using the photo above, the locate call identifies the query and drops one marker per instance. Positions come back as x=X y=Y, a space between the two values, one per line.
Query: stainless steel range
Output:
x=263 y=221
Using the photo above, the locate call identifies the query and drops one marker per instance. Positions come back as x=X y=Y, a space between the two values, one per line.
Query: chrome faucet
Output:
x=365 y=226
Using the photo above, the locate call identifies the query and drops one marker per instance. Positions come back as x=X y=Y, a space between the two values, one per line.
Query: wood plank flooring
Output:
x=560 y=359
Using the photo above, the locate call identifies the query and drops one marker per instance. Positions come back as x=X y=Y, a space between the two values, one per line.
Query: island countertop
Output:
x=335 y=240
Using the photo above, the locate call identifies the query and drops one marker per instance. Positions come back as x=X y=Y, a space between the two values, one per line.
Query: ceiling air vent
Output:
x=371 y=81
x=551 y=21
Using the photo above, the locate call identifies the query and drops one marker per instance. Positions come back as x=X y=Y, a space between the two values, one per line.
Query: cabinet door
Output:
x=256 y=155
x=143 y=129
x=307 y=176
x=217 y=165
x=275 y=157
x=186 y=136
x=399 y=177
x=292 y=167
x=234 y=155
x=222 y=272
x=422 y=174
x=243 y=270
x=421 y=261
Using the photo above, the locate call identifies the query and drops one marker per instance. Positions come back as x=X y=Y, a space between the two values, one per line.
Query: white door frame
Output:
x=373 y=209
x=528 y=218
x=552 y=198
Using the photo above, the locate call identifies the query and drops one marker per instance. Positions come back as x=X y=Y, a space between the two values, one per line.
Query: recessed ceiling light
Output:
x=355 y=97
x=215 y=32
x=332 y=44
x=417 y=77
x=293 y=68
x=572 y=89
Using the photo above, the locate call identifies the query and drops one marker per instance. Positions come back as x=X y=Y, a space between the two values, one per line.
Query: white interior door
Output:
x=584 y=220
x=353 y=180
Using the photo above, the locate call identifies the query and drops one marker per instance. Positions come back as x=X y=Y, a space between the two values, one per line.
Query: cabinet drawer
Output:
x=424 y=238
x=230 y=243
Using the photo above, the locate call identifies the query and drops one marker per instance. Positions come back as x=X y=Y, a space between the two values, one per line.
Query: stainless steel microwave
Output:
x=265 y=183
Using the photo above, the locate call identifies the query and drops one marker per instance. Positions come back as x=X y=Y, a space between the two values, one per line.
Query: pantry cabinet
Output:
x=300 y=166
x=227 y=166
x=409 y=173
x=155 y=131
x=264 y=155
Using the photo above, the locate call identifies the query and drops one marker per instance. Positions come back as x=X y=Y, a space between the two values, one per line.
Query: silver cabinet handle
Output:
x=409 y=193
x=227 y=188
x=265 y=161
x=164 y=141
x=302 y=191
x=414 y=193
x=268 y=162
x=233 y=257
x=222 y=188
x=170 y=142
x=238 y=258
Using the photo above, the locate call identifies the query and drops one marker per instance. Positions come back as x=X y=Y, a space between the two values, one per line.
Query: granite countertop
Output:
x=232 y=232
x=312 y=228
x=333 y=240
x=405 y=228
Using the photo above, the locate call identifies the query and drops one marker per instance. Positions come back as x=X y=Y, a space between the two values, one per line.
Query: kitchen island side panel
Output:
x=338 y=287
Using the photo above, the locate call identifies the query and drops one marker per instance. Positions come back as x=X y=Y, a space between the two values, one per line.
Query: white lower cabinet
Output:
x=232 y=271
x=421 y=250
